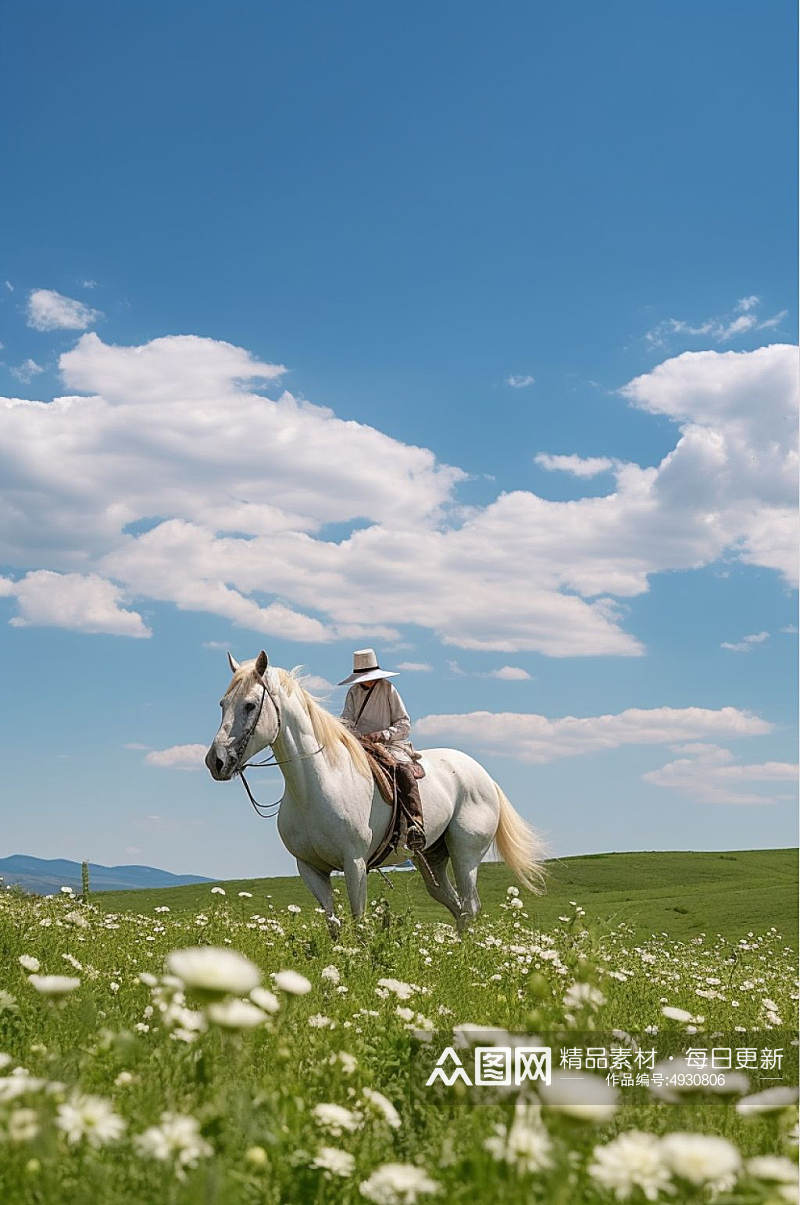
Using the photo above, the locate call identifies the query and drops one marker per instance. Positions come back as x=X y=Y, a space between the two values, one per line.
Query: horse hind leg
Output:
x=435 y=877
x=465 y=869
x=319 y=884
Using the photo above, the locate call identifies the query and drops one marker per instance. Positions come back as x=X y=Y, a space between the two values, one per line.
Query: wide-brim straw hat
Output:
x=366 y=668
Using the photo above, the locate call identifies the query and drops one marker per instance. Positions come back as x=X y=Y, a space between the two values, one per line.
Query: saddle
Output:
x=382 y=766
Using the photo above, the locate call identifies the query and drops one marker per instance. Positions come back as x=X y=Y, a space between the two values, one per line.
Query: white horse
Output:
x=332 y=816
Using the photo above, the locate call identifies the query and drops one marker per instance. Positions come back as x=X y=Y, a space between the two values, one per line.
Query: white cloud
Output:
x=710 y=775
x=319 y=685
x=509 y=673
x=231 y=492
x=744 y=304
x=739 y=321
x=578 y=466
x=51 y=311
x=9 y=286
x=415 y=667
x=521 y=381
x=746 y=644
x=529 y=737
x=177 y=757
x=26 y=371
x=71 y=600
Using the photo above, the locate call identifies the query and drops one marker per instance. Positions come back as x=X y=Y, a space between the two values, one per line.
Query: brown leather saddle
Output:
x=382 y=765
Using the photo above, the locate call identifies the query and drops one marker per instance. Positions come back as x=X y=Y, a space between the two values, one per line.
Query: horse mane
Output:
x=329 y=731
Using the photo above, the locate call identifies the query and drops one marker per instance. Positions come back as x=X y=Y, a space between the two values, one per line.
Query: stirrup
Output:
x=415 y=838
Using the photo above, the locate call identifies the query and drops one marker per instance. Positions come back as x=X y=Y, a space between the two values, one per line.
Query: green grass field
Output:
x=681 y=894
x=193 y=1047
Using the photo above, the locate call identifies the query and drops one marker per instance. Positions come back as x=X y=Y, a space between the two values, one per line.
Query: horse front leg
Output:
x=355 y=877
x=319 y=884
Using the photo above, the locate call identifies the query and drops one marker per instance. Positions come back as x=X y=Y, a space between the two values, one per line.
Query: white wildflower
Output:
x=780 y=1097
x=89 y=1117
x=676 y=1014
x=578 y=1095
x=334 y=1162
x=526 y=1144
x=384 y=1107
x=397 y=1184
x=53 y=985
x=331 y=974
x=512 y=891
x=701 y=1158
x=28 y=962
x=176 y=1139
x=320 y=1021
x=19 y=1083
x=292 y=982
x=775 y=1168
x=294 y=908
x=214 y=970
x=403 y=991
x=348 y=1062
x=583 y=995
x=631 y=1161
x=336 y=1119
x=218 y=891
x=235 y=1014
x=266 y=1000
x=245 y=895
x=23 y=1125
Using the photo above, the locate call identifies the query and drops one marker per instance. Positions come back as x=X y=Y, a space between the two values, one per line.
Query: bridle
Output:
x=267 y=811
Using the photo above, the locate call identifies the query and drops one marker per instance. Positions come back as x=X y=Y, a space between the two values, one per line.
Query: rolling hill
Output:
x=46 y=875
x=678 y=893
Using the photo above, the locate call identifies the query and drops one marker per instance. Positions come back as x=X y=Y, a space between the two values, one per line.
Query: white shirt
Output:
x=384 y=712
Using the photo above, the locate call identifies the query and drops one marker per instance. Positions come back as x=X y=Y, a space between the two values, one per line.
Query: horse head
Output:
x=250 y=718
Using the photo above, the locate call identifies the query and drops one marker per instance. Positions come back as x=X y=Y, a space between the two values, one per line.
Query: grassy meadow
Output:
x=211 y=1044
x=678 y=893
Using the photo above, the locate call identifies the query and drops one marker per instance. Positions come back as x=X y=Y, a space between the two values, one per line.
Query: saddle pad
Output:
x=380 y=765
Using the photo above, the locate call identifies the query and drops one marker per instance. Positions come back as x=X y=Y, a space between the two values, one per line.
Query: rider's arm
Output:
x=400 y=726
x=348 y=716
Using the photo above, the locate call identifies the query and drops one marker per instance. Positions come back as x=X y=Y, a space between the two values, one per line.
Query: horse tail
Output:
x=519 y=846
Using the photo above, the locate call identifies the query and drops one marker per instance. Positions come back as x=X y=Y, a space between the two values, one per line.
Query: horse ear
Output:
x=233 y=663
x=262 y=661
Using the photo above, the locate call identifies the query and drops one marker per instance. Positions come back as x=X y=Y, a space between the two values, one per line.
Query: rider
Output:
x=374 y=709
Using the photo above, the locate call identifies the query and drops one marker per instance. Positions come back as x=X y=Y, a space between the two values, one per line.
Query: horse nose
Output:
x=215 y=763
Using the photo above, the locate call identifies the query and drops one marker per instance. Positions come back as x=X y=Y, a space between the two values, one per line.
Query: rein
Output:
x=267 y=811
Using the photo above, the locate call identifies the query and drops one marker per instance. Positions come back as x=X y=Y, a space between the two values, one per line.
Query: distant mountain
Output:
x=46 y=875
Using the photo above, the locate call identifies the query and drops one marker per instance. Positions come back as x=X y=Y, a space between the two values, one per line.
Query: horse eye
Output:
x=249 y=706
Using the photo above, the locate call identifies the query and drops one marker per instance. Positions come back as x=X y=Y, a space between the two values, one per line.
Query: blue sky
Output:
x=476 y=241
